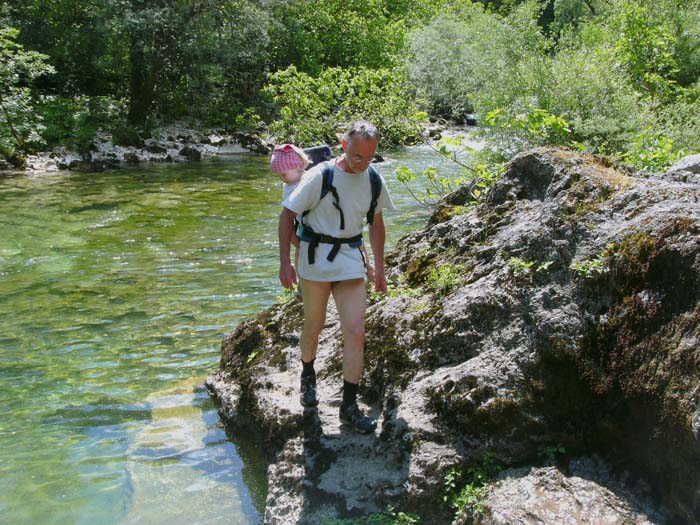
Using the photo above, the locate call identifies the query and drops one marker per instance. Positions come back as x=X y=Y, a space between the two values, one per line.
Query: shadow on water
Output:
x=254 y=470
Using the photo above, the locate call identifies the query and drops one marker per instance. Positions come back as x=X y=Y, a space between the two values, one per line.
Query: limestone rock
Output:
x=690 y=163
x=190 y=153
x=567 y=313
x=587 y=493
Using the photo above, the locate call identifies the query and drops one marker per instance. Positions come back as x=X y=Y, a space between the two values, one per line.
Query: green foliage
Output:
x=679 y=121
x=435 y=186
x=313 y=35
x=609 y=71
x=287 y=295
x=570 y=13
x=534 y=127
x=169 y=60
x=314 y=109
x=551 y=453
x=74 y=122
x=645 y=47
x=588 y=268
x=590 y=91
x=521 y=268
x=394 y=290
x=20 y=126
x=431 y=187
x=597 y=77
x=248 y=120
x=444 y=278
x=652 y=152
x=468 y=492
x=470 y=59
x=390 y=517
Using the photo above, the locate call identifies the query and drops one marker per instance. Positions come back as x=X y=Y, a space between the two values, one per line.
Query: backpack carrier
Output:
x=305 y=233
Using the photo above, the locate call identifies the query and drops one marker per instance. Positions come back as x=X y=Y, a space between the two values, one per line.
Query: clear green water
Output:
x=115 y=292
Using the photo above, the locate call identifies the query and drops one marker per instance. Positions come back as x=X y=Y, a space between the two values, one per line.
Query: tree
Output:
x=314 y=34
x=19 y=126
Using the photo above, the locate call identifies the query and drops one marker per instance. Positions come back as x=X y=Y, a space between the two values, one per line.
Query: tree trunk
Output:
x=140 y=91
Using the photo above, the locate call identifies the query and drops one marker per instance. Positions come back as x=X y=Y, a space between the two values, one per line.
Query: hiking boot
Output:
x=308 y=391
x=353 y=416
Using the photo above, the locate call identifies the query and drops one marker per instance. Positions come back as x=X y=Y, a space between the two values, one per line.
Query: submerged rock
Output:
x=562 y=311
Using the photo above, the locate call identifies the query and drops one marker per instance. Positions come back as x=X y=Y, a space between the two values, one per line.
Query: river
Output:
x=116 y=289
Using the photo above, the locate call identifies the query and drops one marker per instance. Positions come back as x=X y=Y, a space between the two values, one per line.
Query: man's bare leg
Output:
x=351 y=300
x=316 y=296
x=315 y=301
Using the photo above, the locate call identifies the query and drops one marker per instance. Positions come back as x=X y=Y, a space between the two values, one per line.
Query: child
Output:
x=289 y=162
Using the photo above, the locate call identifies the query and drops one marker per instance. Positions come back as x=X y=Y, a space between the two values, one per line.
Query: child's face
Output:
x=291 y=176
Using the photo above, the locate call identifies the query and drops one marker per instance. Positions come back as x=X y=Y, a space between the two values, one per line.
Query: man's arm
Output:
x=377 y=237
x=287 y=274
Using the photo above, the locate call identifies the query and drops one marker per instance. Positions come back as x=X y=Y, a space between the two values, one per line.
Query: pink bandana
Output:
x=287 y=157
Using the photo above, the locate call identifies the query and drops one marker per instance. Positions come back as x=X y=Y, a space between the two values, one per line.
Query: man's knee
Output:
x=355 y=336
x=313 y=327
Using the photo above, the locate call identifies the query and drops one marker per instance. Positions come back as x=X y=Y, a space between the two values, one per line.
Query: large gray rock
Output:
x=587 y=493
x=691 y=164
x=566 y=312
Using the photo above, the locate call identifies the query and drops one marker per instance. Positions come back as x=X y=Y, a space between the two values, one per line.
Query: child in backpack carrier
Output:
x=290 y=162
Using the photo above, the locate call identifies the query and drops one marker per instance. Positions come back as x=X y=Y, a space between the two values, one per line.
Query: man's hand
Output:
x=288 y=277
x=377 y=236
x=370 y=272
x=285 y=232
x=380 y=285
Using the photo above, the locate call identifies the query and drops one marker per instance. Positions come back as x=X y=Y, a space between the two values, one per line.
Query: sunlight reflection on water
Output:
x=115 y=292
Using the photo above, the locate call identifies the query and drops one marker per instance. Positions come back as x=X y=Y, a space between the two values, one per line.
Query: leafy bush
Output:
x=469 y=491
x=314 y=109
x=594 y=95
x=616 y=69
x=73 y=122
x=652 y=152
x=20 y=126
x=646 y=48
x=680 y=123
x=470 y=59
x=313 y=35
x=477 y=169
x=444 y=277
x=534 y=127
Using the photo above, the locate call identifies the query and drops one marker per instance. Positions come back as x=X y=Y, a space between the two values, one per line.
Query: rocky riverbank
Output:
x=554 y=330
x=178 y=143
x=170 y=144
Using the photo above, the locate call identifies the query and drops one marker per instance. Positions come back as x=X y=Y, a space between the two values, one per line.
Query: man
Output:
x=331 y=260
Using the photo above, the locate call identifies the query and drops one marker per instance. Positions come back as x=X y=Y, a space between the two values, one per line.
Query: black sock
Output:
x=349 y=393
x=308 y=368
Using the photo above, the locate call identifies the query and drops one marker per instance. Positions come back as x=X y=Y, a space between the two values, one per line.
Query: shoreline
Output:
x=175 y=144
x=172 y=144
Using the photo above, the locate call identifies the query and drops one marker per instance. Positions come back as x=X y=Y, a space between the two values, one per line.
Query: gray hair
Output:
x=363 y=128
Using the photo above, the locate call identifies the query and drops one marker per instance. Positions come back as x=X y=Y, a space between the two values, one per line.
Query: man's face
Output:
x=359 y=153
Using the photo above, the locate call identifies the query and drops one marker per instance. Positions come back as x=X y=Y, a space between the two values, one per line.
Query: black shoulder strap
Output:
x=376 y=183
x=327 y=172
x=327 y=186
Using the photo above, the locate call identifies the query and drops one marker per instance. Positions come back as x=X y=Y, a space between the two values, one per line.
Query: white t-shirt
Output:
x=355 y=194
